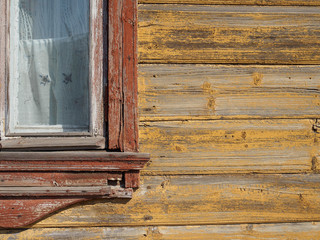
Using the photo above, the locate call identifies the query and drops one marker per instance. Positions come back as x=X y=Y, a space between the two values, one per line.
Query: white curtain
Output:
x=50 y=58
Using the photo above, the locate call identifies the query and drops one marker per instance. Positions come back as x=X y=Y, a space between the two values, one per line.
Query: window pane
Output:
x=49 y=66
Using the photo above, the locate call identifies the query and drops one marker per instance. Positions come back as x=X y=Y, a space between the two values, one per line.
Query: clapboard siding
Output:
x=223 y=146
x=280 y=231
x=197 y=200
x=168 y=92
x=228 y=34
x=240 y=2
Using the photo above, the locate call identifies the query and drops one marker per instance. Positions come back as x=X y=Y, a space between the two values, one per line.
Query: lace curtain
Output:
x=49 y=65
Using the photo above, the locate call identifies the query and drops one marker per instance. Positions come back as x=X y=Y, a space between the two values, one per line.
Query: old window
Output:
x=49 y=67
x=54 y=79
x=68 y=104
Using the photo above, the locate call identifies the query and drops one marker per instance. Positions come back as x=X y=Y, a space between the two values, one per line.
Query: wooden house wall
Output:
x=228 y=99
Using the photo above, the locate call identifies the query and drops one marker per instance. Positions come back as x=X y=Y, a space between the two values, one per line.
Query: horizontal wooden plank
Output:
x=67 y=192
x=229 y=146
x=239 y=2
x=280 y=231
x=197 y=200
x=177 y=92
x=69 y=161
x=62 y=179
x=53 y=143
x=170 y=33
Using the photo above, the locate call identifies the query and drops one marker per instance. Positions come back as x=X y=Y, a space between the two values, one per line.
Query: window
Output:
x=54 y=77
x=68 y=104
x=49 y=47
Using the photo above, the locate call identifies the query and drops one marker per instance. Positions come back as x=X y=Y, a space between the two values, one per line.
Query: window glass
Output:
x=49 y=66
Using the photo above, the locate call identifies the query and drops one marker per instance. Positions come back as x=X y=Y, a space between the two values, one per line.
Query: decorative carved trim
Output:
x=48 y=181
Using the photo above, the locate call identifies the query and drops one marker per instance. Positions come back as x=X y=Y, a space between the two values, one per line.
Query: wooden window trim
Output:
x=51 y=180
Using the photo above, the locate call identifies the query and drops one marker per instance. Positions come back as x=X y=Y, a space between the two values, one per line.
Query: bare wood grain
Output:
x=281 y=231
x=228 y=34
x=229 y=146
x=238 y=2
x=192 y=200
x=177 y=92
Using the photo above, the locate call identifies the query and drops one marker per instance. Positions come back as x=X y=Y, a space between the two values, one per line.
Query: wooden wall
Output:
x=229 y=97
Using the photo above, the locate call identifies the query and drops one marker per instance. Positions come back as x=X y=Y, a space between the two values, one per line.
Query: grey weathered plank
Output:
x=179 y=33
x=224 y=91
x=281 y=231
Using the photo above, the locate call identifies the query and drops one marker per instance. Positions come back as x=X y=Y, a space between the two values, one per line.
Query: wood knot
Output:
x=257 y=78
x=147 y=217
x=211 y=103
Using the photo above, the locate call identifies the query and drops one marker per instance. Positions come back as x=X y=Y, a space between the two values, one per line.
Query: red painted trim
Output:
x=23 y=212
x=71 y=161
x=114 y=88
x=132 y=179
x=130 y=118
x=122 y=76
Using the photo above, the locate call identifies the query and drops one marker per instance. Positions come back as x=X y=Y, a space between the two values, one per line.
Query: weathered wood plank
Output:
x=114 y=86
x=239 y=2
x=62 y=179
x=229 y=146
x=130 y=76
x=72 y=161
x=228 y=34
x=3 y=64
x=97 y=68
x=197 y=200
x=281 y=231
x=53 y=143
x=224 y=91
x=64 y=192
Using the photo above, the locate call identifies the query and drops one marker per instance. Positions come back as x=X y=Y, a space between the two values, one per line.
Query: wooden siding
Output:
x=229 y=34
x=228 y=101
x=229 y=146
x=202 y=200
x=297 y=231
x=186 y=92
x=240 y=2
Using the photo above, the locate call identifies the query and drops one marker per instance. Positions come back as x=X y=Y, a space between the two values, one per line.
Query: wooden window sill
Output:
x=52 y=180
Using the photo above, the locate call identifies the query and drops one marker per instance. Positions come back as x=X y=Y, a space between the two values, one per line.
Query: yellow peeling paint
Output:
x=228 y=101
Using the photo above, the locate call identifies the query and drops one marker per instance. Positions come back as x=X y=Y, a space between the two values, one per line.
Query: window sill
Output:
x=48 y=181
